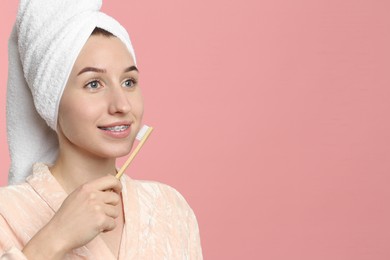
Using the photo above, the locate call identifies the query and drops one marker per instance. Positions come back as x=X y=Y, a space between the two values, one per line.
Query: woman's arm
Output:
x=45 y=245
x=84 y=214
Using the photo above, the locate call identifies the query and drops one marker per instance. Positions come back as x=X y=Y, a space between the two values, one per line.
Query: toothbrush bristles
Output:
x=142 y=132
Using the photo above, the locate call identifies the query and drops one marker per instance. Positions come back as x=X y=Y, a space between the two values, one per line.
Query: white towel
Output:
x=47 y=37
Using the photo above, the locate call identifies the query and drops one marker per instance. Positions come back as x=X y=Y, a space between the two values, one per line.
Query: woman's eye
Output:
x=93 y=85
x=129 y=83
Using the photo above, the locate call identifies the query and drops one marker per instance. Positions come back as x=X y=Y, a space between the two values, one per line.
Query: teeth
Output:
x=117 y=128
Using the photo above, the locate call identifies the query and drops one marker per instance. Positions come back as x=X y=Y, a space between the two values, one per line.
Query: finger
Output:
x=108 y=182
x=118 y=187
x=108 y=225
x=109 y=197
x=111 y=211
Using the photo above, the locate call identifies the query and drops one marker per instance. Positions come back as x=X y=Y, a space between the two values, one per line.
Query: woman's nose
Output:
x=119 y=101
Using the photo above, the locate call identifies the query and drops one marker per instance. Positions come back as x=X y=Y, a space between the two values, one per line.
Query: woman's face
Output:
x=101 y=108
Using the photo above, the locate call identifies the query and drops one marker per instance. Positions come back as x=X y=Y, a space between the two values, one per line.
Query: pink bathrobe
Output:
x=159 y=224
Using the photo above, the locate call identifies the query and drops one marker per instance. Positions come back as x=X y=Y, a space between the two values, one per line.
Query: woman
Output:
x=72 y=206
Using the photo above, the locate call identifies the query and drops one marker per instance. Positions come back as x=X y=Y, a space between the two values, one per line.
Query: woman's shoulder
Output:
x=21 y=190
x=15 y=192
x=160 y=195
x=166 y=218
x=15 y=199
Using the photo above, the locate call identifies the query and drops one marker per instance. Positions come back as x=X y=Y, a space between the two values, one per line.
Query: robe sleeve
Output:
x=8 y=243
x=195 y=248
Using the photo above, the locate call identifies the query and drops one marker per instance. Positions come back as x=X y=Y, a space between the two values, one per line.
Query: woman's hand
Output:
x=85 y=213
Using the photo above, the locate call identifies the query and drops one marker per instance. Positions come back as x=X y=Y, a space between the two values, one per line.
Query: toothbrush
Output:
x=142 y=136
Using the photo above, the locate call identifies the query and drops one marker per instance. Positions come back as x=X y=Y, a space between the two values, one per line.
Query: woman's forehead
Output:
x=104 y=50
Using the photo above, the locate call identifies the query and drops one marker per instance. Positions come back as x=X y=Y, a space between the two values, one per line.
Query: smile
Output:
x=118 y=128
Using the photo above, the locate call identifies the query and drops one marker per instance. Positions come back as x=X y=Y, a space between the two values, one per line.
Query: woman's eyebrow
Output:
x=131 y=68
x=86 y=69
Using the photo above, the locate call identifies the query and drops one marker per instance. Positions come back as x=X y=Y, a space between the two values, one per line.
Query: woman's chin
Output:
x=117 y=153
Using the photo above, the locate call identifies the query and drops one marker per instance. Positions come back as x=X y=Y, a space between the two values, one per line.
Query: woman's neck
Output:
x=73 y=170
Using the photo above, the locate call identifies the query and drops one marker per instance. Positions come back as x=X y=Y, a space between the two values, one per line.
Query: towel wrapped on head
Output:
x=47 y=37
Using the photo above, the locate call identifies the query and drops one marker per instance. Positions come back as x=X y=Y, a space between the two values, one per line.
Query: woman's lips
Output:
x=117 y=131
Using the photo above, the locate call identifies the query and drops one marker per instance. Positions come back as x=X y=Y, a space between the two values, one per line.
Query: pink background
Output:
x=271 y=118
